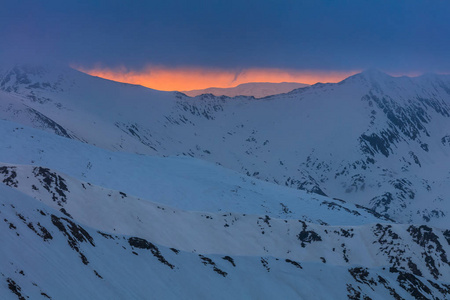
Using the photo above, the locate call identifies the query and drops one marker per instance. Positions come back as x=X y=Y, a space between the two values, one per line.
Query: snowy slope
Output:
x=255 y=89
x=65 y=255
x=371 y=139
x=54 y=257
x=232 y=233
x=239 y=234
x=181 y=182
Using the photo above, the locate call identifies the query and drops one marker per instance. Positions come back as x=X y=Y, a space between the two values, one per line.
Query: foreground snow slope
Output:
x=371 y=139
x=221 y=233
x=52 y=254
x=48 y=255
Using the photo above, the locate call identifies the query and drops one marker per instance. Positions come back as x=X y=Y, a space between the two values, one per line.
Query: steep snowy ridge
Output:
x=11 y=108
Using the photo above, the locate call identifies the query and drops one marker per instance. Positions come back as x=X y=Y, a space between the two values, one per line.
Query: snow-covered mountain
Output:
x=255 y=89
x=115 y=191
x=375 y=140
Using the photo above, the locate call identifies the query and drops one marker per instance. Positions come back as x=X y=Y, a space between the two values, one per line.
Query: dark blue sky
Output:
x=395 y=36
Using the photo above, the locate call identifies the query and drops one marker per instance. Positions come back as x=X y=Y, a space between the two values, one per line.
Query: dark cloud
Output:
x=398 y=36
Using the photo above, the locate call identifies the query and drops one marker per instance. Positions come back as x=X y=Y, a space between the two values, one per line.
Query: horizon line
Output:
x=185 y=79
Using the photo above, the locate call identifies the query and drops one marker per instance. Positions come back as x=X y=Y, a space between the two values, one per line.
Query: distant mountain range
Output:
x=255 y=89
x=116 y=191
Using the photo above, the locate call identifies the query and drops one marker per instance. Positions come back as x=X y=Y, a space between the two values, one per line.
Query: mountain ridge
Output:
x=255 y=89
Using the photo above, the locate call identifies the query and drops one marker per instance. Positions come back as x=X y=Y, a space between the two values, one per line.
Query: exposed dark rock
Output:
x=144 y=244
x=265 y=264
x=293 y=262
x=362 y=275
x=64 y=211
x=230 y=259
x=446 y=234
x=41 y=231
x=105 y=235
x=53 y=183
x=176 y=251
x=208 y=261
x=10 y=175
x=98 y=275
x=334 y=205
x=391 y=290
x=354 y=294
x=74 y=233
x=414 y=286
x=426 y=238
x=15 y=288
x=308 y=236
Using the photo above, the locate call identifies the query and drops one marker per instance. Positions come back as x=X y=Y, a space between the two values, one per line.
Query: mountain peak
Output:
x=374 y=72
x=370 y=75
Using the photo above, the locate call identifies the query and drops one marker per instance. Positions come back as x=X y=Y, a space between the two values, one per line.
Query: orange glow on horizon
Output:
x=186 y=79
